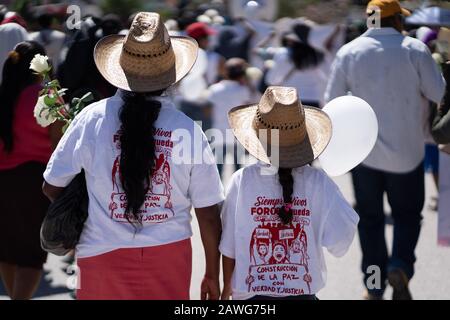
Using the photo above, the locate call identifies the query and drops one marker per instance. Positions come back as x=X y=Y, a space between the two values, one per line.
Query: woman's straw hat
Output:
x=303 y=131
x=147 y=59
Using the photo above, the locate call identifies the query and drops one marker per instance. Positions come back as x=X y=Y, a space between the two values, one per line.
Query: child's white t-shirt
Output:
x=283 y=260
x=185 y=175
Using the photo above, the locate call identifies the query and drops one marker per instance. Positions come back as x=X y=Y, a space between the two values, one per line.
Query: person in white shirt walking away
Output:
x=397 y=76
x=234 y=90
x=280 y=213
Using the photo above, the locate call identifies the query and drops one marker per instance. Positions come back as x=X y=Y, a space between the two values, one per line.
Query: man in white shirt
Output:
x=224 y=95
x=397 y=76
x=216 y=63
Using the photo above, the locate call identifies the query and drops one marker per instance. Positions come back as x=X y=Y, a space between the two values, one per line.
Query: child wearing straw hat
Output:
x=135 y=243
x=280 y=212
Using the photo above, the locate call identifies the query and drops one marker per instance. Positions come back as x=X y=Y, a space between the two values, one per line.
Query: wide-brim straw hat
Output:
x=147 y=59
x=304 y=132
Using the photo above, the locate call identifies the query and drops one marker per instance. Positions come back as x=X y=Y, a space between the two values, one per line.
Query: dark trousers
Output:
x=405 y=194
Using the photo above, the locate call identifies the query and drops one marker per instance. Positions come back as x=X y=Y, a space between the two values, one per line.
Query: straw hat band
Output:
x=144 y=66
x=281 y=138
x=283 y=135
x=148 y=55
x=284 y=126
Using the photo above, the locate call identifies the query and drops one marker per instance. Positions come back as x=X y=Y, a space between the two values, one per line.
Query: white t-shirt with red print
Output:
x=274 y=259
x=185 y=175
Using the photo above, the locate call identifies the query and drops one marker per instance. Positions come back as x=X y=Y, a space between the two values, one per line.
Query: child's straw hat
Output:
x=304 y=132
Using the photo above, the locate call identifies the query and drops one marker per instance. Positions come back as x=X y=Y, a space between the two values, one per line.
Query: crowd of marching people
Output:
x=212 y=75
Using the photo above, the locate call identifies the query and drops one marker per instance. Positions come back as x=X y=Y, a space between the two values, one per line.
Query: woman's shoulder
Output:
x=94 y=115
x=311 y=173
x=171 y=117
x=93 y=111
x=102 y=108
x=257 y=171
x=317 y=180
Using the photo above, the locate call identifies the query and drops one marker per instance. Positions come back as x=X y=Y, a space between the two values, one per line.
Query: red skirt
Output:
x=150 y=273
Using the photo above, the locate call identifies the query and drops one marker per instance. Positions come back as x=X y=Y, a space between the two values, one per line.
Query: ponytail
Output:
x=137 y=158
x=287 y=183
x=16 y=76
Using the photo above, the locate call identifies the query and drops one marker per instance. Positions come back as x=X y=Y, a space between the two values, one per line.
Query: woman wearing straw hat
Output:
x=136 y=241
x=282 y=202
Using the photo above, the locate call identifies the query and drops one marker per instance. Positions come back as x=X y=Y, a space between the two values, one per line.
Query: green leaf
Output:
x=49 y=101
x=87 y=97
x=65 y=127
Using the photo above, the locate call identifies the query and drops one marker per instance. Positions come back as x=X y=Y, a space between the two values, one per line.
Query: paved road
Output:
x=344 y=278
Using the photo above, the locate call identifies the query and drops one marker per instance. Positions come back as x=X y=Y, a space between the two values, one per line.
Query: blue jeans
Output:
x=405 y=193
x=431 y=162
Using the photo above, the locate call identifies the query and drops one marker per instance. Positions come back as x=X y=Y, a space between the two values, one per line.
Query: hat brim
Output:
x=318 y=127
x=107 y=59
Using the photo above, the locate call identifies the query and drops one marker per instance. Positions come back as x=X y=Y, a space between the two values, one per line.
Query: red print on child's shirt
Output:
x=279 y=253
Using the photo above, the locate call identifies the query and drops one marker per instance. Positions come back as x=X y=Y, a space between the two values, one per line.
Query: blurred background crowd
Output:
x=245 y=45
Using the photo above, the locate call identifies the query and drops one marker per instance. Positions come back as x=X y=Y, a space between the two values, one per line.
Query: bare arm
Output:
x=55 y=131
x=210 y=230
x=228 y=268
x=52 y=192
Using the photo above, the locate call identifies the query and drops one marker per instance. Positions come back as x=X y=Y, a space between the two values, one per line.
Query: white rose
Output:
x=43 y=118
x=40 y=64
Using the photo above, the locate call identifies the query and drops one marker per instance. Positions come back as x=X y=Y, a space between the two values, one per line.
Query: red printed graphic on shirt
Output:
x=157 y=205
x=278 y=252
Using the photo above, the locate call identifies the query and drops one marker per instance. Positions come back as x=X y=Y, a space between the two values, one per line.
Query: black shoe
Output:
x=399 y=282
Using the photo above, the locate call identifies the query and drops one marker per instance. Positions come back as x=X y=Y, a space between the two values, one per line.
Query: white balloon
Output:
x=355 y=131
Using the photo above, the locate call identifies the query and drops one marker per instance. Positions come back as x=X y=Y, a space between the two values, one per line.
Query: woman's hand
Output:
x=210 y=289
x=210 y=231
x=226 y=293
